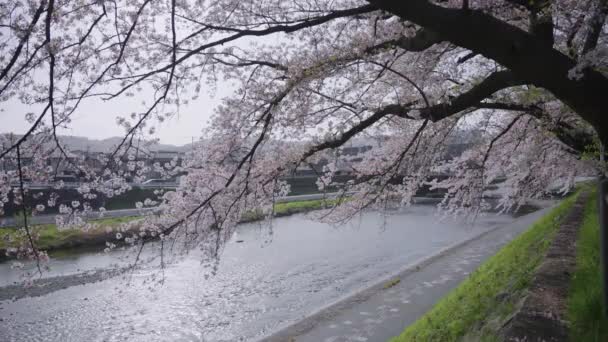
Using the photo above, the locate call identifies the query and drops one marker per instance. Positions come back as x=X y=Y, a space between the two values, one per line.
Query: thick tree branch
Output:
x=507 y=106
x=531 y=5
x=572 y=50
x=466 y=57
x=23 y=40
x=523 y=53
x=422 y=40
x=238 y=34
x=472 y=98
x=574 y=138
x=360 y=127
x=595 y=26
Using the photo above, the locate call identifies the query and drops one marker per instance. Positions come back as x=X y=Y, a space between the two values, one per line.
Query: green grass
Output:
x=391 y=283
x=585 y=297
x=51 y=238
x=473 y=311
x=289 y=208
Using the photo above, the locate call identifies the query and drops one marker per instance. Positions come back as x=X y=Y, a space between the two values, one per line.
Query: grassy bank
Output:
x=290 y=208
x=53 y=239
x=585 y=299
x=478 y=307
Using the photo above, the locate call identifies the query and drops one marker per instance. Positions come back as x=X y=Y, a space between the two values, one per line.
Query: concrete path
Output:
x=380 y=312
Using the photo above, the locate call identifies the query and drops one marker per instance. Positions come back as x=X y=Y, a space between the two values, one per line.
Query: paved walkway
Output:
x=379 y=313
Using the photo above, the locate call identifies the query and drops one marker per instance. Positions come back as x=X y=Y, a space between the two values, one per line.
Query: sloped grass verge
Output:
x=585 y=296
x=51 y=238
x=476 y=309
x=295 y=207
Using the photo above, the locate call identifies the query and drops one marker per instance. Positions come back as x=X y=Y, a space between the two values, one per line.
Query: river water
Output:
x=258 y=288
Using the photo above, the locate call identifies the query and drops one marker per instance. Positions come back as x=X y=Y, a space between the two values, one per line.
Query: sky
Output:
x=96 y=119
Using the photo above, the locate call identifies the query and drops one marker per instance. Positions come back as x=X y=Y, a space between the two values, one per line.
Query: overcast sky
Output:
x=96 y=119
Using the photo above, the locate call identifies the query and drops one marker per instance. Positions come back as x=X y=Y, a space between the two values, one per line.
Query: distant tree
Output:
x=529 y=75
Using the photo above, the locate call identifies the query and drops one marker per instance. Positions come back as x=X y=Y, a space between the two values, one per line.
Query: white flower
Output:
x=17 y=265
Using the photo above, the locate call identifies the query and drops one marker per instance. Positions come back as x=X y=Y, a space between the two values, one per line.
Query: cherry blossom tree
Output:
x=310 y=77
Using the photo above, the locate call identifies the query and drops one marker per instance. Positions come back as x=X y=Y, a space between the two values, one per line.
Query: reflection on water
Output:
x=258 y=287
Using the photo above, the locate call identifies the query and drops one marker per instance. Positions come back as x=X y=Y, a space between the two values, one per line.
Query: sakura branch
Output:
x=455 y=95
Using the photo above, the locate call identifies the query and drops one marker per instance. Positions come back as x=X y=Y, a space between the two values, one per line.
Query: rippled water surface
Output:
x=258 y=288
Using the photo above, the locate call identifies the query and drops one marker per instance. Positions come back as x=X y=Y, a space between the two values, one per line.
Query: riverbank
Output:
x=54 y=240
x=380 y=310
x=259 y=285
x=486 y=301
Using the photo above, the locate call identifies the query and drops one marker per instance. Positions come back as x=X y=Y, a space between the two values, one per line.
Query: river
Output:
x=259 y=287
